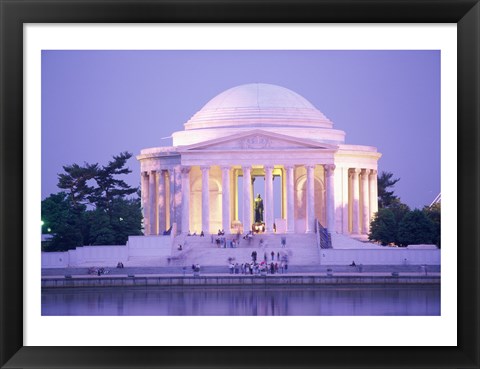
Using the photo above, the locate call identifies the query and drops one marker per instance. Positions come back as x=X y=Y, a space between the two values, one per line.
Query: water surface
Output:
x=134 y=301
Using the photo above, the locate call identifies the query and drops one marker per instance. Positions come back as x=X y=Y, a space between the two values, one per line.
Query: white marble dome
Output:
x=258 y=96
x=258 y=106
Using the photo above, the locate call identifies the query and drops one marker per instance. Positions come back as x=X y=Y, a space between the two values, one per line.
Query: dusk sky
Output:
x=99 y=103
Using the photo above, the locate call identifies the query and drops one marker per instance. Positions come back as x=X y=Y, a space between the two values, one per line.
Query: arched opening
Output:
x=215 y=198
x=300 y=195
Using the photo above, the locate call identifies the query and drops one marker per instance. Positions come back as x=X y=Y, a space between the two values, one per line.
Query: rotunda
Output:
x=204 y=181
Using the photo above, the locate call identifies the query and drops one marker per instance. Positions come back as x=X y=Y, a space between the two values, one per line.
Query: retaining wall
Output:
x=387 y=256
x=137 y=246
x=155 y=246
x=293 y=280
x=102 y=255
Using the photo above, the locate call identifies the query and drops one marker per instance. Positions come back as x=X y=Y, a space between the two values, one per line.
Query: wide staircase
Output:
x=299 y=249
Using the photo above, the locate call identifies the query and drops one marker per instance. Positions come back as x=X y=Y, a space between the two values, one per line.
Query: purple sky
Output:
x=98 y=103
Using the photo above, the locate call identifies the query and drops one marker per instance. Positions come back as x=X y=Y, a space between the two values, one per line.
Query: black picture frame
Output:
x=15 y=13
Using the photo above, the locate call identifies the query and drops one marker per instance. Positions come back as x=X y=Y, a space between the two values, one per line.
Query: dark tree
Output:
x=113 y=217
x=109 y=186
x=75 y=181
x=386 y=196
x=415 y=228
x=399 y=210
x=383 y=228
x=126 y=219
x=64 y=221
x=54 y=210
x=433 y=212
x=100 y=229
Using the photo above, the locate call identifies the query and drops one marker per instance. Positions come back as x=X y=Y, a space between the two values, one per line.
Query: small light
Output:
x=120 y=219
x=49 y=229
x=43 y=222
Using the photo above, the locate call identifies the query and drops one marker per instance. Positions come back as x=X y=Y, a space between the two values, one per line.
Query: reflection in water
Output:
x=354 y=300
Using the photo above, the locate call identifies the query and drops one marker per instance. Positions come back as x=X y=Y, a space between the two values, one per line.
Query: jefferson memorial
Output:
x=254 y=140
x=204 y=181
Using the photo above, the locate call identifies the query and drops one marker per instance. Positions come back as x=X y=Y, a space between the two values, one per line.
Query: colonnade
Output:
x=162 y=190
x=363 y=199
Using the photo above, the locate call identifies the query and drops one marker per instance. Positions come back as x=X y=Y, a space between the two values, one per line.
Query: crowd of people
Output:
x=280 y=265
x=254 y=268
x=272 y=263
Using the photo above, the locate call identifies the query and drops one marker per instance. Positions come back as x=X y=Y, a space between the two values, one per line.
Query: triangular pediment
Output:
x=257 y=140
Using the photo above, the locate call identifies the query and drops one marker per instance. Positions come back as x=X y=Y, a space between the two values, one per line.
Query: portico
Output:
x=253 y=131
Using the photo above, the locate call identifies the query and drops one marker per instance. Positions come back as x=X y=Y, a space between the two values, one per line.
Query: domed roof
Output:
x=258 y=105
x=258 y=95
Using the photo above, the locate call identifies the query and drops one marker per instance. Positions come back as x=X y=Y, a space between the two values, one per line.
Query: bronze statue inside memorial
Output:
x=259 y=225
x=258 y=209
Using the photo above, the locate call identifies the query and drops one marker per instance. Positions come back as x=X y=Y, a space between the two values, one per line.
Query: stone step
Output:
x=257 y=241
x=300 y=249
x=220 y=256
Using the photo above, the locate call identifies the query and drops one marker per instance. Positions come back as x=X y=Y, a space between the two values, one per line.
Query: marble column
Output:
x=226 y=215
x=185 y=200
x=355 y=202
x=235 y=190
x=247 y=199
x=310 y=199
x=144 y=184
x=284 y=193
x=269 y=219
x=372 y=184
x=365 y=202
x=290 y=200
x=171 y=200
x=330 y=184
x=177 y=170
x=205 y=199
x=345 y=204
x=161 y=202
x=152 y=204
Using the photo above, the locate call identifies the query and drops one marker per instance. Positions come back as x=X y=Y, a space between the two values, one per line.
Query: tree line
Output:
x=94 y=207
x=395 y=223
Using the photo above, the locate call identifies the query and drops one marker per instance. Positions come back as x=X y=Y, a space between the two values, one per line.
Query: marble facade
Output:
x=258 y=130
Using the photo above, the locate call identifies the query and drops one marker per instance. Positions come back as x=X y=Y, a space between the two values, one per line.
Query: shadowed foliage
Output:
x=415 y=228
x=385 y=182
x=95 y=209
x=383 y=228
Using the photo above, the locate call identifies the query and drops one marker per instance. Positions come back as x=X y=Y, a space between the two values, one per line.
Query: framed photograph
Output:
x=248 y=76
